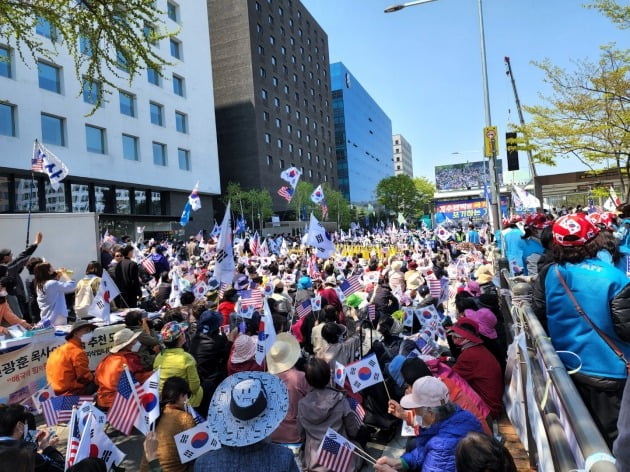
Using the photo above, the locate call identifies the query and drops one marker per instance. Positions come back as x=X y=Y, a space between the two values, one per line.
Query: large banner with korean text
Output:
x=23 y=371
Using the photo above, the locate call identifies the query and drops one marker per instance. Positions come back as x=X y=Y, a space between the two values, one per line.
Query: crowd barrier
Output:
x=541 y=400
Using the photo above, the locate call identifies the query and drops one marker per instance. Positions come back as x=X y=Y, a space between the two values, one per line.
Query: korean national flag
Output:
x=98 y=417
x=364 y=373
x=195 y=441
x=41 y=396
x=408 y=313
x=149 y=402
x=102 y=447
x=340 y=374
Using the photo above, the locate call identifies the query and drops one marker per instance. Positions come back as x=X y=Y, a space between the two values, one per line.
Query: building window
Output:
x=273 y=61
x=49 y=77
x=263 y=94
x=159 y=154
x=53 y=129
x=84 y=46
x=299 y=133
x=178 y=85
x=290 y=147
x=263 y=72
x=272 y=40
x=278 y=123
x=259 y=28
x=310 y=173
x=261 y=50
x=172 y=11
x=274 y=81
x=157 y=114
x=265 y=116
x=286 y=89
x=279 y=143
x=181 y=122
x=301 y=153
x=7 y=119
x=270 y=19
x=276 y=101
x=269 y=161
x=283 y=50
x=149 y=33
x=176 y=49
x=183 y=156
x=287 y=108
x=267 y=138
x=80 y=198
x=153 y=76
x=289 y=128
x=44 y=28
x=280 y=11
x=6 y=62
x=281 y=162
x=121 y=61
x=257 y=6
x=130 y=147
x=90 y=91
x=95 y=139
x=127 y=103
x=123 y=205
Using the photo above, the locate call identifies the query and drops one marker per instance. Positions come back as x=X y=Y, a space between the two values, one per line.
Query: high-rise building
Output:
x=403 y=160
x=272 y=94
x=137 y=157
x=363 y=134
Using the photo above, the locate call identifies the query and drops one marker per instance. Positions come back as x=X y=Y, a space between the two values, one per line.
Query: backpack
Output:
x=84 y=295
x=282 y=305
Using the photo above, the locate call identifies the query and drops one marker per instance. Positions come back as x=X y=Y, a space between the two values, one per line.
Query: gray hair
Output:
x=443 y=411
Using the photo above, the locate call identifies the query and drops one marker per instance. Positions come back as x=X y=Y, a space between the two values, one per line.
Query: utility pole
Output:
x=530 y=157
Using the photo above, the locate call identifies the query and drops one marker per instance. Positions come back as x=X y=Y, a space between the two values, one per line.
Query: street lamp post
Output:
x=495 y=191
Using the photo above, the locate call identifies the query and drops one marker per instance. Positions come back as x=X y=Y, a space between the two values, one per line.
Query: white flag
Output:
x=319 y=238
x=291 y=175
x=86 y=439
x=340 y=374
x=88 y=409
x=173 y=299
x=363 y=373
x=107 y=291
x=224 y=267
x=149 y=403
x=193 y=198
x=195 y=441
x=266 y=334
x=103 y=448
x=526 y=198
x=50 y=164
x=318 y=195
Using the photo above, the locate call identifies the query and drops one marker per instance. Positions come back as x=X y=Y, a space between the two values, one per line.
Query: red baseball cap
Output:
x=573 y=230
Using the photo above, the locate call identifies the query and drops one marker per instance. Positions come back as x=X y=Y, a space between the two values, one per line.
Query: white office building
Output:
x=136 y=159
x=403 y=159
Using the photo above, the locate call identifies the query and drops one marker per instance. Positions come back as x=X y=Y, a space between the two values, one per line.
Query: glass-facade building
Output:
x=363 y=137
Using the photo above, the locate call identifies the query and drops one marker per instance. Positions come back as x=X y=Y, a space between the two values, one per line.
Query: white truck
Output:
x=71 y=240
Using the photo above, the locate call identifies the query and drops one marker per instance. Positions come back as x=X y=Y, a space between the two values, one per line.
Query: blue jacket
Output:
x=530 y=246
x=603 y=292
x=435 y=446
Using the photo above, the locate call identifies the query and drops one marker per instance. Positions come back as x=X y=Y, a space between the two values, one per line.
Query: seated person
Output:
x=149 y=344
x=7 y=317
x=107 y=375
x=68 y=368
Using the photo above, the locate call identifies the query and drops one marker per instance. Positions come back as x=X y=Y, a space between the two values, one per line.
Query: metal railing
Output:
x=580 y=446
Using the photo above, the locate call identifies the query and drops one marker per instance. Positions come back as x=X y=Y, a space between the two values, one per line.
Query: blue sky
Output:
x=422 y=64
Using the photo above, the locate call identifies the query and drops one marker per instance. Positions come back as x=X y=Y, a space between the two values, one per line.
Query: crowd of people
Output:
x=423 y=303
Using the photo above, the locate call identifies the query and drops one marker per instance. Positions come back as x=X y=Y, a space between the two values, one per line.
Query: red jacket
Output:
x=108 y=373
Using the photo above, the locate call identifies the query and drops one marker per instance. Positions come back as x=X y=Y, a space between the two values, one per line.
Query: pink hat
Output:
x=485 y=320
x=244 y=349
x=426 y=392
x=472 y=287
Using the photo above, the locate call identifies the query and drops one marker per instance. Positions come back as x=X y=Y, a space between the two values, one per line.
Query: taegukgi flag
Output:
x=291 y=175
x=149 y=403
x=319 y=238
x=224 y=266
x=49 y=164
x=195 y=441
x=363 y=373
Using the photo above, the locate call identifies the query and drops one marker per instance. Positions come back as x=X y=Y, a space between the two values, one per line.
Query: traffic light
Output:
x=512 y=151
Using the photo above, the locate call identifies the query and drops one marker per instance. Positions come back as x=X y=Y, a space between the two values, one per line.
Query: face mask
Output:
x=419 y=420
x=136 y=346
x=3 y=293
x=87 y=337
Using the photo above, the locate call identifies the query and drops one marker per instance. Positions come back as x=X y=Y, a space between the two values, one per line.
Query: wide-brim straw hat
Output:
x=284 y=353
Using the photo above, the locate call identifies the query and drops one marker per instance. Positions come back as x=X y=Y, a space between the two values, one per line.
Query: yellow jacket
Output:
x=176 y=362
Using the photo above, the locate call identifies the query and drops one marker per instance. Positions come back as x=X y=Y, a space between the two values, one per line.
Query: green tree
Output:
x=301 y=201
x=399 y=194
x=252 y=203
x=618 y=14
x=338 y=207
x=588 y=115
x=101 y=36
x=426 y=190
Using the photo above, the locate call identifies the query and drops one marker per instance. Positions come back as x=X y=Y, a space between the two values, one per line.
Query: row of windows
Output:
x=300 y=151
x=54 y=132
x=77 y=197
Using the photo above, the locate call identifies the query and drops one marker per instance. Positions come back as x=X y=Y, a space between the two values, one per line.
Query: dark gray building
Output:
x=272 y=94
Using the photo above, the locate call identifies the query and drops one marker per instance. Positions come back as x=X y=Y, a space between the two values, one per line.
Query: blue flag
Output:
x=183 y=220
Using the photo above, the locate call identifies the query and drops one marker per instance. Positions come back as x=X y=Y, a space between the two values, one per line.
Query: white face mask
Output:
x=419 y=420
x=87 y=337
x=3 y=293
x=136 y=346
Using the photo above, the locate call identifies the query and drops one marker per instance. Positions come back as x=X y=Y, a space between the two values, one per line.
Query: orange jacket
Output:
x=68 y=370
x=108 y=373
x=7 y=316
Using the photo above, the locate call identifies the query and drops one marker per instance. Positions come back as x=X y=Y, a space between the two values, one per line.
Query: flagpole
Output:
x=30 y=203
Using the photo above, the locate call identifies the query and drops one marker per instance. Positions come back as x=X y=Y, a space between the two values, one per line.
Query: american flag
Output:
x=335 y=452
x=254 y=244
x=126 y=407
x=303 y=308
x=37 y=161
x=149 y=265
x=286 y=193
x=371 y=312
x=356 y=407
x=313 y=270
x=324 y=210
x=74 y=439
x=424 y=346
x=252 y=297
x=435 y=287
x=350 y=285
x=222 y=288
x=59 y=409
